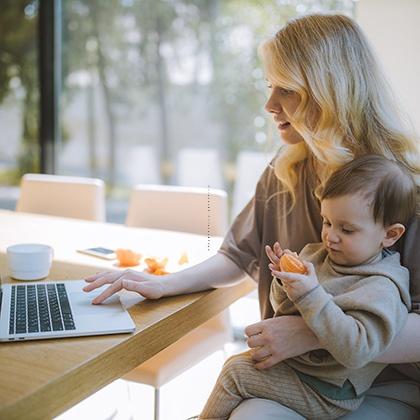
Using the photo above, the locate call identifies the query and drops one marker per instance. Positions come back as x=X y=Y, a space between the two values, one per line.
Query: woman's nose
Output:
x=273 y=104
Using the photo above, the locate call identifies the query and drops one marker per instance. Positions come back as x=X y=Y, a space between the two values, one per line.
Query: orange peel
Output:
x=127 y=257
x=183 y=259
x=156 y=267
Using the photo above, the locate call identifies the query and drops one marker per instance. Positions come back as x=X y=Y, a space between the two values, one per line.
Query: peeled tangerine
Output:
x=183 y=259
x=292 y=264
x=127 y=258
x=158 y=268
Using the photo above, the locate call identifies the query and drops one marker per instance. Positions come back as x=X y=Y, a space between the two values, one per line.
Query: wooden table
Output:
x=41 y=379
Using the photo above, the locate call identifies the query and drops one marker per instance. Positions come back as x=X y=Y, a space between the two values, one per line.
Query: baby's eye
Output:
x=347 y=231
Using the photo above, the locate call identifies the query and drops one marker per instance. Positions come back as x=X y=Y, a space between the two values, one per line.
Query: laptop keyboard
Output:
x=40 y=308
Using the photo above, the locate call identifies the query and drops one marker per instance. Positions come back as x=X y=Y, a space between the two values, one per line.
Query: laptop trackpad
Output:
x=81 y=304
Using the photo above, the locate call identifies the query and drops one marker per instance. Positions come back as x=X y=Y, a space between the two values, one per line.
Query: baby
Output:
x=354 y=296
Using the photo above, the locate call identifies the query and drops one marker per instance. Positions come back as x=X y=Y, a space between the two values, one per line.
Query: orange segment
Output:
x=291 y=264
x=183 y=259
x=156 y=267
x=127 y=258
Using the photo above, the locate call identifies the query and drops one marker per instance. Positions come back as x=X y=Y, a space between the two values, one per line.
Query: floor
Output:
x=181 y=398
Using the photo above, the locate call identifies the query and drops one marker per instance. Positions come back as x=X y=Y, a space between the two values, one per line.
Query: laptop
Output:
x=34 y=311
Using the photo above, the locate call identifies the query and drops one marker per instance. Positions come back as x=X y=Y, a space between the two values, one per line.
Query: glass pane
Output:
x=169 y=91
x=19 y=95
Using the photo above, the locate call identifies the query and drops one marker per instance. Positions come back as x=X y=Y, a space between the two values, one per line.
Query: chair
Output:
x=249 y=167
x=182 y=209
x=75 y=197
x=199 y=168
x=137 y=164
x=178 y=208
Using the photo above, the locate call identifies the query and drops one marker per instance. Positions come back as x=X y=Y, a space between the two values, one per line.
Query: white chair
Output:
x=75 y=197
x=249 y=167
x=199 y=168
x=182 y=209
x=138 y=164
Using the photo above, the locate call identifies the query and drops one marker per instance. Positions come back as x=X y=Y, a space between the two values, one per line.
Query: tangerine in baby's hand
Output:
x=292 y=264
x=127 y=258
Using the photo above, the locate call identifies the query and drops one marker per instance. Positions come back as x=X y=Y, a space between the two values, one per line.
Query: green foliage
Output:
x=18 y=67
x=132 y=46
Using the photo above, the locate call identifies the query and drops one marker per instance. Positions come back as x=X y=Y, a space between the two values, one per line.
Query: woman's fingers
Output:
x=267 y=363
x=253 y=329
x=109 y=291
x=96 y=276
x=260 y=354
x=255 y=341
x=101 y=279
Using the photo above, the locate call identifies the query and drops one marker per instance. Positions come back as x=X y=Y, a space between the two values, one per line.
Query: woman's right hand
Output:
x=147 y=285
x=276 y=339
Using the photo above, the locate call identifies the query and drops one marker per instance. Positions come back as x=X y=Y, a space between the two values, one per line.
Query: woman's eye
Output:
x=326 y=223
x=285 y=92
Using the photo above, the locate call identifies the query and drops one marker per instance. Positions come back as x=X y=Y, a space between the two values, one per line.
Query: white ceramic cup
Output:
x=29 y=261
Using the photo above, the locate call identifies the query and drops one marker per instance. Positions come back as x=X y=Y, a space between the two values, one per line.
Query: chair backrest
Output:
x=137 y=164
x=249 y=167
x=76 y=197
x=186 y=209
x=199 y=168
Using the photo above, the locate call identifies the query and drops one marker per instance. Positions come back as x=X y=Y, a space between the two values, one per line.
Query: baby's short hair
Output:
x=387 y=183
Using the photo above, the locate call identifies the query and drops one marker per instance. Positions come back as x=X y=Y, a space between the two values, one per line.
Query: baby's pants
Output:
x=240 y=380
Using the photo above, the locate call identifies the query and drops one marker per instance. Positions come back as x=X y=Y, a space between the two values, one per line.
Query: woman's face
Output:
x=281 y=104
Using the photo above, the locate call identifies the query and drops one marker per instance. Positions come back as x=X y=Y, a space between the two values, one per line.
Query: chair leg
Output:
x=157 y=395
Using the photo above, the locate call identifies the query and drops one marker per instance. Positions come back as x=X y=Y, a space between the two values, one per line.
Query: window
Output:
x=19 y=96
x=153 y=91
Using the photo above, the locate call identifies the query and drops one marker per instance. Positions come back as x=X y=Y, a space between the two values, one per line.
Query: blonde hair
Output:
x=327 y=60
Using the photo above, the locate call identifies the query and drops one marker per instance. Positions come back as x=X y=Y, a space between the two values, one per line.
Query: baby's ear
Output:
x=392 y=234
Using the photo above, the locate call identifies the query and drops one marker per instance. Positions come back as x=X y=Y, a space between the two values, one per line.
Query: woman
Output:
x=330 y=104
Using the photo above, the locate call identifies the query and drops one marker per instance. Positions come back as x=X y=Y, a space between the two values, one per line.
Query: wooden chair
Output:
x=182 y=209
x=75 y=197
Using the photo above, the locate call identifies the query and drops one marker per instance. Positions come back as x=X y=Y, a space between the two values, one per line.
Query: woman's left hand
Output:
x=277 y=339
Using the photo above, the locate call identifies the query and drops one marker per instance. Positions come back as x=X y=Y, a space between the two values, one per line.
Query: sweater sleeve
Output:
x=243 y=242
x=277 y=296
x=356 y=326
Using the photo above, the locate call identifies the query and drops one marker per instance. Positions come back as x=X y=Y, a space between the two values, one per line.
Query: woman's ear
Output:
x=392 y=234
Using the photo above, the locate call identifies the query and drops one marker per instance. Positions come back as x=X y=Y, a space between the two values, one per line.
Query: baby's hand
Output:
x=274 y=254
x=296 y=285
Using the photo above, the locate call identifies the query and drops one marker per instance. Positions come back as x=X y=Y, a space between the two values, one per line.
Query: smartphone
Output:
x=100 y=252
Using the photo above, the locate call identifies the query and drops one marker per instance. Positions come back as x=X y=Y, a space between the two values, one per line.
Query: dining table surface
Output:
x=40 y=379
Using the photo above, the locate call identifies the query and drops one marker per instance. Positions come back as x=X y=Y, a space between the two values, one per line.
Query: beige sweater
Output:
x=355 y=312
x=267 y=219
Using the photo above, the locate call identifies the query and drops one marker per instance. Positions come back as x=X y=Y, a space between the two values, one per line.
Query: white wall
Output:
x=393 y=28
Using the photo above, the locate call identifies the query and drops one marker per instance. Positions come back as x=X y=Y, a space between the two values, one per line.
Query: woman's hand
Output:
x=145 y=284
x=277 y=339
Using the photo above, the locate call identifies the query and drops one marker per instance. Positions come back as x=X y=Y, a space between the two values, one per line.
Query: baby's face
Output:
x=349 y=232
